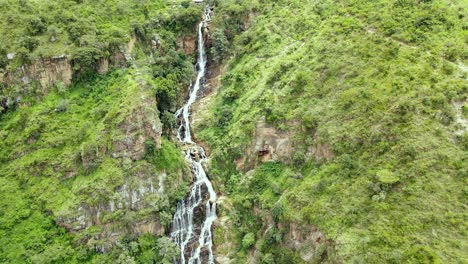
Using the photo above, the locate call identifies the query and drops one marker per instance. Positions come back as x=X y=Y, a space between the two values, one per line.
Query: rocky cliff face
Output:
x=41 y=75
x=115 y=190
x=187 y=44
x=139 y=126
x=272 y=144
x=131 y=208
x=46 y=72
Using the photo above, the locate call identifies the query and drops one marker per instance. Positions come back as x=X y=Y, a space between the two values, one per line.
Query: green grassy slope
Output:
x=44 y=174
x=374 y=83
x=68 y=148
x=84 y=29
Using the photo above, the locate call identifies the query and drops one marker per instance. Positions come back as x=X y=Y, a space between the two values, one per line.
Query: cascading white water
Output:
x=184 y=231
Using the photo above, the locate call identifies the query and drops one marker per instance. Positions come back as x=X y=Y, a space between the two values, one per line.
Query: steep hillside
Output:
x=90 y=160
x=44 y=43
x=88 y=170
x=337 y=136
x=335 y=131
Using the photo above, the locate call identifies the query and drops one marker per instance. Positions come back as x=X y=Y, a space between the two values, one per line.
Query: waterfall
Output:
x=195 y=241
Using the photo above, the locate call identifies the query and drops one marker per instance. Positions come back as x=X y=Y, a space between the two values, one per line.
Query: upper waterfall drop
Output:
x=195 y=240
x=184 y=112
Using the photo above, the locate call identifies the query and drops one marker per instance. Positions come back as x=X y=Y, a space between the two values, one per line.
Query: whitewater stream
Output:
x=195 y=239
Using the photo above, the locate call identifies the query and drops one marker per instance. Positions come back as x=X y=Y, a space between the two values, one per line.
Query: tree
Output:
x=220 y=45
x=29 y=43
x=124 y=258
x=85 y=58
x=53 y=32
x=167 y=250
x=186 y=20
x=36 y=25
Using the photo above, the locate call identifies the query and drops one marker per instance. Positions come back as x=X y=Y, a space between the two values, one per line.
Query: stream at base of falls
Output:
x=193 y=235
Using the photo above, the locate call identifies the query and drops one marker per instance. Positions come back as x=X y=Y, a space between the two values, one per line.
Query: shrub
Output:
x=150 y=148
x=29 y=43
x=268 y=259
x=53 y=32
x=277 y=211
x=62 y=105
x=220 y=45
x=36 y=25
x=60 y=86
x=85 y=58
x=186 y=20
x=465 y=111
x=3 y=57
x=387 y=177
x=224 y=115
x=169 y=121
x=138 y=30
x=273 y=236
x=248 y=240
x=185 y=4
x=76 y=30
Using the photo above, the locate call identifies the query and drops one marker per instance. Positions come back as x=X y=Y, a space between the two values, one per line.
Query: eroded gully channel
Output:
x=194 y=217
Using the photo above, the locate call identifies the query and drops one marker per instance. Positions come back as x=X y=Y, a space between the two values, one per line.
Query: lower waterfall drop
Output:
x=194 y=240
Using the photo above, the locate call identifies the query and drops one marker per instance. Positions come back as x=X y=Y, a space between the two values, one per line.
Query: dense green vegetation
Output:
x=53 y=160
x=86 y=30
x=69 y=150
x=367 y=93
x=371 y=82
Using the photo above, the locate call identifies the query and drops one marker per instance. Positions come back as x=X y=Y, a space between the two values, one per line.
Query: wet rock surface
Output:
x=193 y=221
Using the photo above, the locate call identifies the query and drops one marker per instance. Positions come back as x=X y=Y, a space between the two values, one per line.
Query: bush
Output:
x=62 y=105
x=76 y=30
x=3 y=57
x=220 y=45
x=169 y=121
x=53 y=32
x=85 y=58
x=29 y=43
x=248 y=240
x=273 y=236
x=387 y=177
x=36 y=25
x=138 y=30
x=268 y=259
x=465 y=111
x=186 y=20
x=150 y=148
x=61 y=88
x=277 y=211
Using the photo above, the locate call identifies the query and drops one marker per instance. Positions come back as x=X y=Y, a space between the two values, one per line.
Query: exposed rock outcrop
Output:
x=138 y=127
x=130 y=208
x=270 y=143
x=45 y=71
x=311 y=244
x=187 y=44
